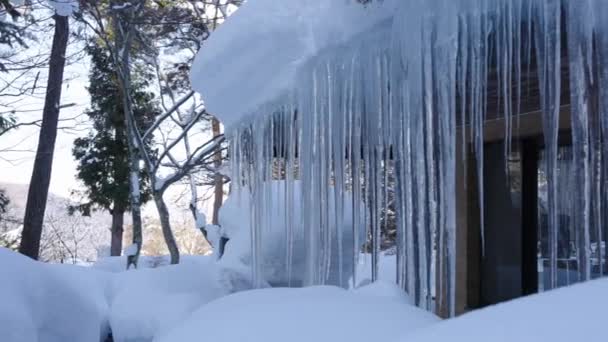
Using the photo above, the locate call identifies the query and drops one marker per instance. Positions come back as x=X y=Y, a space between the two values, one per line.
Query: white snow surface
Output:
x=316 y=314
x=240 y=68
x=45 y=302
x=130 y=250
x=568 y=314
x=58 y=303
x=386 y=269
x=64 y=8
x=148 y=301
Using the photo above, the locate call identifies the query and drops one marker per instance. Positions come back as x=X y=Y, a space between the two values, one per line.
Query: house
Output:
x=477 y=126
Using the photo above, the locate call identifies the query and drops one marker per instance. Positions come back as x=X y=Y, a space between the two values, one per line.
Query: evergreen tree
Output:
x=103 y=163
x=10 y=33
x=4 y=202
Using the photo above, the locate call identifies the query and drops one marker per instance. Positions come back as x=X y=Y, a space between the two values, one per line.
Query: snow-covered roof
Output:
x=253 y=58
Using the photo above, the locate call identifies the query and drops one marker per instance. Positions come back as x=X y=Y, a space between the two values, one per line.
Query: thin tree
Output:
x=43 y=164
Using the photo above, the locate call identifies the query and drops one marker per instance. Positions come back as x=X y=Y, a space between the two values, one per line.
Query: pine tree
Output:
x=11 y=34
x=103 y=163
x=4 y=202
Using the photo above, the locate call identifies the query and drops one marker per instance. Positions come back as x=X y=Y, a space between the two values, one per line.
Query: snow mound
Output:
x=43 y=302
x=300 y=28
x=301 y=315
x=58 y=303
x=568 y=314
x=147 y=301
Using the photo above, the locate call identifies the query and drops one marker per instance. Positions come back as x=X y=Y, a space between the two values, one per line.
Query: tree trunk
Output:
x=43 y=164
x=122 y=60
x=218 y=192
x=135 y=198
x=165 y=222
x=218 y=198
x=119 y=203
x=118 y=215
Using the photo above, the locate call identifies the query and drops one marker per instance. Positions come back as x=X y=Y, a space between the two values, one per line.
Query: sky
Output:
x=16 y=166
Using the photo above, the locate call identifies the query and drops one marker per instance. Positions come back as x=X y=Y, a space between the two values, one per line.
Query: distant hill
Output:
x=65 y=238
x=18 y=196
x=57 y=206
x=90 y=236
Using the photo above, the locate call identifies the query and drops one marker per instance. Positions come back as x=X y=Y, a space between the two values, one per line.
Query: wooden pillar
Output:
x=467 y=232
x=529 y=214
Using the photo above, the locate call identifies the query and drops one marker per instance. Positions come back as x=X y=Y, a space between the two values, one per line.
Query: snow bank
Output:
x=43 y=302
x=58 y=303
x=146 y=302
x=568 y=314
x=119 y=264
x=235 y=84
x=301 y=315
x=236 y=225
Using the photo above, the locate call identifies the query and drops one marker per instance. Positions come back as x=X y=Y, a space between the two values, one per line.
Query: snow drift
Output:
x=51 y=303
x=302 y=315
x=569 y=314
x=58 y=303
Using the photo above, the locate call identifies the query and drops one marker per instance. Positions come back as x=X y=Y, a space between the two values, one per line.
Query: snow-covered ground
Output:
x=51 y=303
x=303 y=315
x=195 y=300
x=568 y=314
x=58 y=303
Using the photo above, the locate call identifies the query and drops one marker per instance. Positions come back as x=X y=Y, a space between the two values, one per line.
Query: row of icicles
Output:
x=387 y=119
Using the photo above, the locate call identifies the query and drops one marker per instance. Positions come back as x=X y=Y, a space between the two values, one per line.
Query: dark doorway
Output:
x=502 y=259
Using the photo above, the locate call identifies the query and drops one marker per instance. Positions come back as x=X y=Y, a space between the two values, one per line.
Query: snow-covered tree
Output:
x=103 y=154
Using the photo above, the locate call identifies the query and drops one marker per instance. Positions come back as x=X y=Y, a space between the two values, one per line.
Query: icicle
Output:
x=377 y=120
x=601 y=34
x=579 y=49
x=548 y=51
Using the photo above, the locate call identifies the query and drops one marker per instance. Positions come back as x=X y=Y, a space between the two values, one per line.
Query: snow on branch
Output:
x=122 y=6
x=167 y=114
x=64 y=8
x=193 y=160
x=180 y=137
